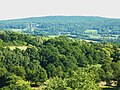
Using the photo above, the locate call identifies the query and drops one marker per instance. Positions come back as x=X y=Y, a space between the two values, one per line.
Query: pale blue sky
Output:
x=10 y=9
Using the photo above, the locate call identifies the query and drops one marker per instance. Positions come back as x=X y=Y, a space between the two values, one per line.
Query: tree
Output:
x=3 y=71
x=116 y=71
x=51 y=70
x=59 y=71
x=107 y=61
x=57 y=84
x=13 y=82
x=35 y=72
x=1 y=41
x=81 y=80
x=40 y=75
x=32 y=52
x=19 y=71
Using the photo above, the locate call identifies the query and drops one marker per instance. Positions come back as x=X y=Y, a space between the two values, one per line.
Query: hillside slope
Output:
x=82 y=27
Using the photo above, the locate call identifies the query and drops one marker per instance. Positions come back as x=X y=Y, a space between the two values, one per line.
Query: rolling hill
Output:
x=108 y=29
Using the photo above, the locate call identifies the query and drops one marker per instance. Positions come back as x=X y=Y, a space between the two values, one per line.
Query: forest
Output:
x=59 y=63
x=81 y=27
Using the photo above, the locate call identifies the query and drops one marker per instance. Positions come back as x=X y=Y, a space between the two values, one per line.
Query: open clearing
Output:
x=20 y=47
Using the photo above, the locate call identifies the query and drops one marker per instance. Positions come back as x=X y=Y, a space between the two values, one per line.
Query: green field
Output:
x=91 y=31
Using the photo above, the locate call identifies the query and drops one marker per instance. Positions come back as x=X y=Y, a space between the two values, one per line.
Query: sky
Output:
x=12 y=9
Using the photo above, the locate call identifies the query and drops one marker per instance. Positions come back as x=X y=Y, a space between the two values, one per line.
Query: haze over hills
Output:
x=60 y=17
x=81 y=27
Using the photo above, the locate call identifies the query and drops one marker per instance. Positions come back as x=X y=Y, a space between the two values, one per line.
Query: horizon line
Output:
x=60 y=16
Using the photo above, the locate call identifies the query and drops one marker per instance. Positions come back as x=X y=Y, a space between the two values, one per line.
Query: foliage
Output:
x=76 y=64
x=82 y=80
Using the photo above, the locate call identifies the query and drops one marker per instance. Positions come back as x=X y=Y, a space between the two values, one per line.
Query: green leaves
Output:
x=65 y=63
x=3 y=71
x=82 y=80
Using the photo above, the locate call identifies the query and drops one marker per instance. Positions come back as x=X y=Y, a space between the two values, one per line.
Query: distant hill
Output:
x=107 y=28
x=56 y=18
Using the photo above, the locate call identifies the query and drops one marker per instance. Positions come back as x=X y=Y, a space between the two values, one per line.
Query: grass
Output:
x=37 y=88
x=89 y=40
x=91 y=31
x=53 y=36
x=16 y=30
x=20 y=47
x=95 y=36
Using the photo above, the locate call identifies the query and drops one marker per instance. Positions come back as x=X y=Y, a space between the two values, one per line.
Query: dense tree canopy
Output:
x=76 y=64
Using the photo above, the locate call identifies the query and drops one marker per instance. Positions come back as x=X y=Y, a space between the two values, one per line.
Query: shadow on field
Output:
x=115 y=88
